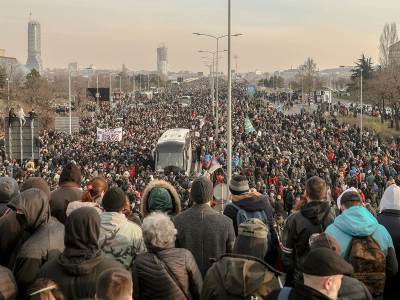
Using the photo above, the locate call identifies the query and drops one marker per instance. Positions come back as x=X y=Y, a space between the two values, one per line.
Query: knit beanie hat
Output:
x=239 y=185
x=8 y=189
x=160 y=200
x=252 y=239
x=202 y=190
x=114 y=200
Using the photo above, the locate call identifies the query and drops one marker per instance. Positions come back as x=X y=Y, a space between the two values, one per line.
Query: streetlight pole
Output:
x=8 y=93
x=97 y=90
x=70 y=101
x=229 y=125
x=217 y=38
x=120 y=80
x=361 y=100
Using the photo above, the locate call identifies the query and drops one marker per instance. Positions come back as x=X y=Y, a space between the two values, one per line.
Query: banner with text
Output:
x=109 y=135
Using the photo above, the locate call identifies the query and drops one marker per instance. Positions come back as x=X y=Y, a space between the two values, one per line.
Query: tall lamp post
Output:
x=8 y=93
x=229 y=125
x=217 y=38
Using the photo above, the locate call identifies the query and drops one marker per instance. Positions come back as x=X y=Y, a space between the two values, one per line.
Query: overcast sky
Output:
x=277 y=34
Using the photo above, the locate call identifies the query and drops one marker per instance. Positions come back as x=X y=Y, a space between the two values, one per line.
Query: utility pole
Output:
x=229 y=125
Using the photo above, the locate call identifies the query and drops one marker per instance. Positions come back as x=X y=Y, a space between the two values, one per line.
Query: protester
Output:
x=243 y=274
x=248 y=204
x=46 y=236
x=120 y=238
x=201 y=229
x=312 y=218
x=351 y=288
x=92 y=196
x=8 y=287
x=165 y=272
x=323 y=272
x=365 y=243
x=67 y=192
x=160 y=196
x=12 y=234
x=114 y=284
x=389 y=217
x=45 y=289
x=77 y=269
x=8 y=190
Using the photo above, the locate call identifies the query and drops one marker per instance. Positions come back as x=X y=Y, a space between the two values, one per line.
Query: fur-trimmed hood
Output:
x=160 y=184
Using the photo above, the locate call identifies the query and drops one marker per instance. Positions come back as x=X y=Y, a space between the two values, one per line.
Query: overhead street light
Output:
x=217 y=38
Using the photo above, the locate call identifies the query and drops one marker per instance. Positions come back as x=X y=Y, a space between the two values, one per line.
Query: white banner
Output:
x=109 y=135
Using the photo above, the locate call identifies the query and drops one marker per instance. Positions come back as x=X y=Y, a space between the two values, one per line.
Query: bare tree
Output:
x=388 y=38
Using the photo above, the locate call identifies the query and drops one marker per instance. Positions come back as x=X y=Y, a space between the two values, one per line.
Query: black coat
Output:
x=205 y=233
x=152 y=281
x=353 y=289
x=390 y=219
x=313 y=217
x=76 y=270
x=300 y=292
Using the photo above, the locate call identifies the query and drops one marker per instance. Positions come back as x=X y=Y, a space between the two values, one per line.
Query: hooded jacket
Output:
x=176 y=202
x=239 y=277
x=390 y=218
x=312 y=218
x=120 y=239
x=76 y=270
x=61 y=197
x=358 y=221
x=46 y=240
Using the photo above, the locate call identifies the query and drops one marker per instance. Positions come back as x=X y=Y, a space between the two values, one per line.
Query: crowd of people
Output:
x=313 y=210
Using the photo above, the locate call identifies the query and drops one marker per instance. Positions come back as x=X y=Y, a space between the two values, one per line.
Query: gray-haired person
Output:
x=164 y=272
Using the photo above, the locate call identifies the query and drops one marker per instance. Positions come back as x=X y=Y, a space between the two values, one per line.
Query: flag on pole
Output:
x=248 y=127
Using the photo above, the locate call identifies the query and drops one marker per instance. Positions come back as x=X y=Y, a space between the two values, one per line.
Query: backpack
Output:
x=284 y=293
x=369 y=263
x=243 y=215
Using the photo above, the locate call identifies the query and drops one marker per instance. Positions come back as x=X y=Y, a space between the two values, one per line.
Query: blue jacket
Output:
x=358 y=221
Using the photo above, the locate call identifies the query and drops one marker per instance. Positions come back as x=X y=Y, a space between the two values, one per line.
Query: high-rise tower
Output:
x=34 y=60
x=162 y=60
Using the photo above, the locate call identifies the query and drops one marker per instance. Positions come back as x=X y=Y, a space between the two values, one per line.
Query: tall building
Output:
x=34 y=60
x=162 y=60
x=394 y=54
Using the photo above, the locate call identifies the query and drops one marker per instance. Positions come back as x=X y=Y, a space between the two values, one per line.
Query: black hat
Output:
x=326 y=262
x=239 y=185
x=202 y=190
x=114 y=200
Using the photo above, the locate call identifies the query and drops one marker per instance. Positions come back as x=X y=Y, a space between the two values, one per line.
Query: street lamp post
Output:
x=217 y=38
x=97 y=90
x=8 y=93
x=70 y=101
x=229 y=125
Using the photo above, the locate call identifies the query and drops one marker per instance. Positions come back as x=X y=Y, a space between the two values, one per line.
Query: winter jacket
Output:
x=61 y=197
x=358 y=221
x=239 y=277
x=152 y=280
x=389 y=217
x=176 y=202
x=120 y=239
x=76 y=270
x=8 y=287
x=12 y=236
x=251 y=202
x=300 y=292
x=312 y=218
x=205 y=233
x=45 y=242
x=353 y=289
